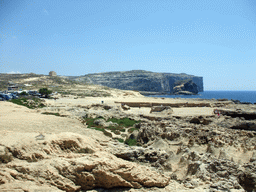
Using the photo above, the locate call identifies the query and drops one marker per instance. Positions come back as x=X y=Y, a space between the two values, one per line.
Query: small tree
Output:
x=45 y=92
x=23 y=93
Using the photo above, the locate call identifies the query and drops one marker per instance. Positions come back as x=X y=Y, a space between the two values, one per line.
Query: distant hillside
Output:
x=140 y=80
x=34 y=81
x=61 y=84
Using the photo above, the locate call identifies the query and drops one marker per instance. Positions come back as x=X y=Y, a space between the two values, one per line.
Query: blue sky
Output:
x=214 y=39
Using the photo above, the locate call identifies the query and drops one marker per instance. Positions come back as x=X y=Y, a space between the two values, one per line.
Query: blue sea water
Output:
x=242 y=96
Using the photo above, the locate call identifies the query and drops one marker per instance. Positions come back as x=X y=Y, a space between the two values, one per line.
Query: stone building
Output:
x=52 y=73
x=12 y=86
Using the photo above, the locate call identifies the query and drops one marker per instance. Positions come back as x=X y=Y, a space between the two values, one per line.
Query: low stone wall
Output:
x=148 y=104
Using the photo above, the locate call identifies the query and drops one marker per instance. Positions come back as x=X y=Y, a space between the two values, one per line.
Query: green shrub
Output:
x=23 y=93
x=131 y=142
x=19 y=101
x=112 y=128
x=120 y=140
x=25 y=101
x=107 y=133
x=49 y=113
x=89 y=121
x=45 y=92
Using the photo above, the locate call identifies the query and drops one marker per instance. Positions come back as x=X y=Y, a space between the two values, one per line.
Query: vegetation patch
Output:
x=90 y=122
x=29 y=102
x=131 y=142
x=121 y=127
x=23 y=93
x=98 y=129
x=106 y=95
x=50 y=113
x=120 y=140
x=107 y=133
x=117 y=132
x=45 y=92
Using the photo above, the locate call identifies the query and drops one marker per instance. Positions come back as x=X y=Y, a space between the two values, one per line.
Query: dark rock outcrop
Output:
x=139 y=80
x=248 y=115
x=185 y=87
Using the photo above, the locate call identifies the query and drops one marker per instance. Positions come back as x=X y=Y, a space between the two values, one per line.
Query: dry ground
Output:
x=15 y=118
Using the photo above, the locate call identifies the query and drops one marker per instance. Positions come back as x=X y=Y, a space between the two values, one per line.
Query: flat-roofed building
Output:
x=52 y=73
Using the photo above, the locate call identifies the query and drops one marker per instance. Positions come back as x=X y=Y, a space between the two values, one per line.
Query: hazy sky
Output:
x=215 y=39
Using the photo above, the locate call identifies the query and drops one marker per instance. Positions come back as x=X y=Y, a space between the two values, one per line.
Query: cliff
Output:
x=139 y=80
x=185 y=87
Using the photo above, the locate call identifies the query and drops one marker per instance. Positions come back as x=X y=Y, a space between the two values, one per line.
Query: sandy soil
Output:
x=21 y=119
x=187 y=111
x=15 y=118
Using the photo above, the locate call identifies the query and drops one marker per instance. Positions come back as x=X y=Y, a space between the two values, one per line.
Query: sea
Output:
x=242 y=96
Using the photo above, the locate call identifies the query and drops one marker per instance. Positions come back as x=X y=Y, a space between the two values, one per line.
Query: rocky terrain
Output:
x=170 y=150
x=127 y=142
x=139 y=80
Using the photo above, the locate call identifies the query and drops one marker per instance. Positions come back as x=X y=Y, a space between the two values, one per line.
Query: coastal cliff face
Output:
x=140 y=80
x=185 y=87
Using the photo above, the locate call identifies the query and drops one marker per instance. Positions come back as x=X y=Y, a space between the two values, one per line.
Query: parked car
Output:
x=5 y=96
x=14 y=96
x=34 y=93
x=37 y=94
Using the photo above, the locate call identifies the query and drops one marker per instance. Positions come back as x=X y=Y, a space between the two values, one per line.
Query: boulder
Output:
x=195 y=120
x=253 y=158
x=248 y=115
x=103 y=123
x=125 y=107
x=5 y=155
x=200 y=120
x=70 y=162
x=245 y=126
x=148 y=155
x=148 y=133
x=134 y=135
x=247 y=178
x=163 y=109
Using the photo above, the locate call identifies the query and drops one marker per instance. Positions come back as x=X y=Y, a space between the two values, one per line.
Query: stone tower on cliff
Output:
x=52 y=73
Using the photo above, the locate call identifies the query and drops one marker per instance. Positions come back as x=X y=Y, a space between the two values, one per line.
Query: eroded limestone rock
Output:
x=71 y=162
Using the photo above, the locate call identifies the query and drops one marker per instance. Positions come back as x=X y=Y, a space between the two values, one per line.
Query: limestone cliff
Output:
x=185 y=87
x=140 y=80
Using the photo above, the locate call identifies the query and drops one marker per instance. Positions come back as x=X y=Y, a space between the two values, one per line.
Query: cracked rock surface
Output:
x=173 y=152
x=70 y=162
